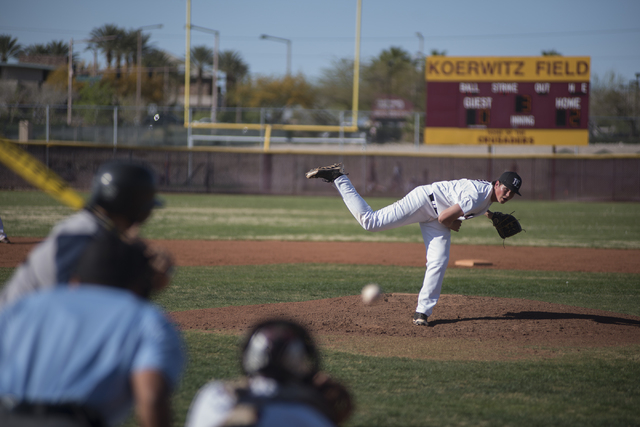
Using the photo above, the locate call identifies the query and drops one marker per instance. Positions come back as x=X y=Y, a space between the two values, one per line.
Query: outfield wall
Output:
x=598 y=177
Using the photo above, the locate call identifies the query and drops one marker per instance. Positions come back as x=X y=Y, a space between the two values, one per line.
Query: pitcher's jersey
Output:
x=473 y=196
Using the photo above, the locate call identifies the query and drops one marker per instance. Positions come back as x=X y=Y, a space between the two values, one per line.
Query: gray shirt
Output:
x=53 y=260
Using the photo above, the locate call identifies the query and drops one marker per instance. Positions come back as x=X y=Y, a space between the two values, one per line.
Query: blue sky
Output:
x=321 y=31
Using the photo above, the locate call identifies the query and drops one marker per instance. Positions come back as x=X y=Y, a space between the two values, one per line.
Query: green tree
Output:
x=58 y=48
x=236 y=70
x=100 y=93
x=119 y=48
x=156 y=58
x=386 y=72
x=393 y=72
x=36 y=49
x=107 y=47
x=335 y=85
x=267 y=91
x=551 y=52
x=128 y=47
x=201 y=59
x=612 y=96
x=53 y=49
x=163 y=69
x=9 y=47
x=131 y=43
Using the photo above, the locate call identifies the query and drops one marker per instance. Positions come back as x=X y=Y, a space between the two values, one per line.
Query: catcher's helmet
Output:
x=281 y=350
x=125 y=188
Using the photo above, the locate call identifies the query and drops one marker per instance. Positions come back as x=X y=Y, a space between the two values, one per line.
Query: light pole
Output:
x=421 y=51
x=139 y=76
x=70 y=83
x=283 y=40
x=214 y=78
x=637 y=91
x=637 y=107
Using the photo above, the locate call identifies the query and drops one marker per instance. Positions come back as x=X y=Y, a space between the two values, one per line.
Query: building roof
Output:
x=26 y=65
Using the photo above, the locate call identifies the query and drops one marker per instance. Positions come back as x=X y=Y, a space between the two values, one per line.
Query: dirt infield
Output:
x=239 y=252
x=462 y=327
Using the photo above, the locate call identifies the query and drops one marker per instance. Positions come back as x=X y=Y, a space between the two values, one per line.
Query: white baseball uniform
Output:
x=215 y=402
x=422 y=205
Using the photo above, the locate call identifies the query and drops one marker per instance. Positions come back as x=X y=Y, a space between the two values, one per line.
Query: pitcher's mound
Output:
x=489 y=327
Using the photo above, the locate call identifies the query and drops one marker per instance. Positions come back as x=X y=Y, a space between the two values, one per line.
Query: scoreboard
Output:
x=507 y=100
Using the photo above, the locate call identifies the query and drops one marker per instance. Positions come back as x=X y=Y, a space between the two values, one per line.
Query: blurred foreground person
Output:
x=122 y=197
x=85 y=353
x=283 y=385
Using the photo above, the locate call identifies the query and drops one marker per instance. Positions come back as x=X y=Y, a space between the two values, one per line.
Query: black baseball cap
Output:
x=512 y=181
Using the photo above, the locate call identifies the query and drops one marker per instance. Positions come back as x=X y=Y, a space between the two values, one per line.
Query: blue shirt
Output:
x=82 y=344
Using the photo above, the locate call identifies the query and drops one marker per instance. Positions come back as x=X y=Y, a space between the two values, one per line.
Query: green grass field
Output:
x=241 y=217
x=590 y=387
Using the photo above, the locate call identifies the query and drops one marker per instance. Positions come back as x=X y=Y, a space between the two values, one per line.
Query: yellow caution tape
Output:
x=36 y=173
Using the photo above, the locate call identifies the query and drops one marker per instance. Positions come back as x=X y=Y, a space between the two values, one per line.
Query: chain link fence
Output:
x=164 y=126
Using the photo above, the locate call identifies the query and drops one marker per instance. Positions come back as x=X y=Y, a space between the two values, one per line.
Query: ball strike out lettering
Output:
x=542 y=87
x=469 y=88
x=504 y=87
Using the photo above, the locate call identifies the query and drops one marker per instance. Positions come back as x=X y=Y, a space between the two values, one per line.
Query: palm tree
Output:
x=201 y=58
x=232 y=64
x=9 y=47
x=130 y=47
x=58 y=48
x=157 y=58
x=119 y=48
x=107 y=46
x=36 y=49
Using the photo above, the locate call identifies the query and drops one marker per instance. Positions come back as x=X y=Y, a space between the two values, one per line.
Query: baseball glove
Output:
x=506 y=224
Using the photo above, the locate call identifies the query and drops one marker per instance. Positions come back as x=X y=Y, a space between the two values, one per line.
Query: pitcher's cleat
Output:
x=420 y=319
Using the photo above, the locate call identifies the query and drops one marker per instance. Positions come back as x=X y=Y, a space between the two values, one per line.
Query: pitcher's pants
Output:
x=413 y=208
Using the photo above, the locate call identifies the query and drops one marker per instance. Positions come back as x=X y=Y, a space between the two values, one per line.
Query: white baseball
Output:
x=370 y=293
